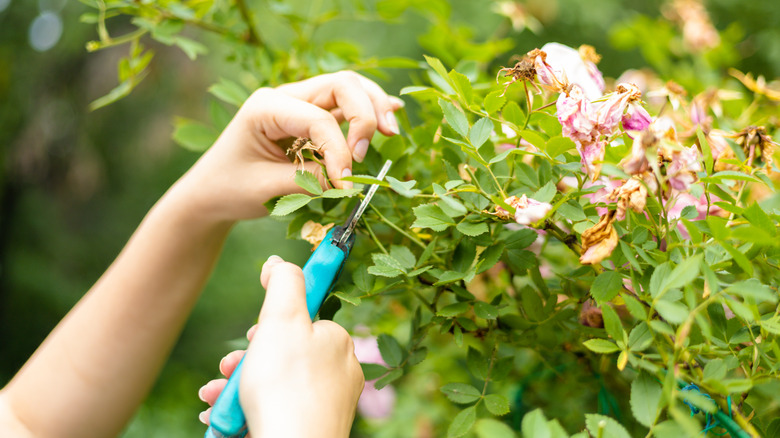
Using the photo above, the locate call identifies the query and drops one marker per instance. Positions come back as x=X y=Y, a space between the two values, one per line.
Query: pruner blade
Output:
x=357 y=212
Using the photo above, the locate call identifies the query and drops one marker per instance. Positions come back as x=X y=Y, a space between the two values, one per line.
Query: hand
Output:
x=300 y=378
x=246 y=166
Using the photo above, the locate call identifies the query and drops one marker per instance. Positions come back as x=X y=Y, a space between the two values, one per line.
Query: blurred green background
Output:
x=74 y=184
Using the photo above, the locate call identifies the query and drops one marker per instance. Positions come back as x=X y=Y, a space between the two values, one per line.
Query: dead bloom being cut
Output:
x=599 y=241
x=314 y=233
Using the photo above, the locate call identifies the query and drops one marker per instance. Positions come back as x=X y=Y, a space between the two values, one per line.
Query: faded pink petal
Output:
x=636 y=118
x=574 y=69
x=682 y=170
x=680 y=200
x=591 y=156
x=527 y=210
x=575 y=114
x=373 y=403
x=610 y=112
x=717 y=141
x=602 y=194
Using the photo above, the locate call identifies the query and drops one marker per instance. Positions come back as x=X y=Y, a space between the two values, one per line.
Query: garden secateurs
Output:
x=320 y=272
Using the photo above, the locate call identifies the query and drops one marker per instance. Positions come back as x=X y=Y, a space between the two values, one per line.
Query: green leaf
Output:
x=601 y=346
x=461 y=392
x=640 y=337
x=645 y=397
x=572 y=211
x=192 y=135
x=753 y=288
x=606 y=286
x=438 y=67
x=455 y=117
x=384 y=271
x=472 y=228
x=494 y=101
x=497 y=404
x=534 y=425
x=612 y=323
x=403 y=255
x=534 y=138
x=403 y=188
x=453 y=310
x=492 y=428
x=289 y=203
x=739 y=258
x=673 y=312
x=513 y=114
x=485 y=311
x=190 y=47
x=480 y=132
x=462 y=422
x=730 y=175
x=365 y=179
x=307 y=181
x=659 y=276
x=118 y=92
x=372 y=371
x=558 y=145
x=361 y=279
x=354 y=300
x=546 y=193
x=450 y=277
x=389 y=378
x=340 y=193
x=431 y=216
x=390 y=349
x=229 y=91
x=605 y=427
x=756 y=216
x=682 y=274
x=715 y=370
x=462 y=86
x=477 y=364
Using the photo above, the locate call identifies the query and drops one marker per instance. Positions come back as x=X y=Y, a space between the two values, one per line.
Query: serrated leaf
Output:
x=558 y=145
x=431 y=216
x=494 y=101
x=462 y=86
x=390 y=350
x=339 y=193
x=192 y=135
x=384 y=271
x=307 y=181
x=453 y=310
x=355 y=301
x=403 y=188
x=229 y=91
x=461 y=392
x=289 y=203
x=534 y=425
x=645 y=397
x=610 y=427
x=455 y=117
x=472 y=228
x=606 y=286
x=462 y=422
x=389 y=378
x=450 y=277
x=497 y=404
x=534 y=138
x=491 y=428
x=640 y=337
x=477 y=364
x=361 y=279
x=480 y=132
x=673 y=312
x=372 y=371
x=612 y=323
x=754 y=289
x=546 y=193
x=601 y=346
x=485 y=311
x=513 y=114
x=403 y=255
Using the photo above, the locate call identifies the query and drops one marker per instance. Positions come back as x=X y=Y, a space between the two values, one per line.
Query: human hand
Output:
x=246 y=166
x=295 y=370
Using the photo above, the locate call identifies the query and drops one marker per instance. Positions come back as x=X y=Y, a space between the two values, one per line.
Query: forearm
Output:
x=99 y=363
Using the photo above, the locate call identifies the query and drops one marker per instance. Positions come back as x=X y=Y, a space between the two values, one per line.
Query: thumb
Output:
x=285 y=292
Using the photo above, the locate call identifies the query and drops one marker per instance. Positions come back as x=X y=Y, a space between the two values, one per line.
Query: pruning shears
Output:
x=320 y=272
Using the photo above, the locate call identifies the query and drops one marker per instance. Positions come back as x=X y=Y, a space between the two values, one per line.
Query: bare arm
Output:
x=98 y=364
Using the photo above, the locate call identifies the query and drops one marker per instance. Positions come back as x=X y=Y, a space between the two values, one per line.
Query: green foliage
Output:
x=448 y=267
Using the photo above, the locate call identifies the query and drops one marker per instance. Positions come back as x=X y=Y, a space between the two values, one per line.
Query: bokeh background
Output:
x=75 y=183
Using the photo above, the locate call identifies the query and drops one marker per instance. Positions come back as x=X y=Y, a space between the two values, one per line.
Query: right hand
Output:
x=299 y=378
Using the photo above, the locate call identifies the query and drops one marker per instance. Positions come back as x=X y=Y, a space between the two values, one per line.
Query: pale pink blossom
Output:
x=527 y=210
x=638 y=161
x=682 y=170
x=609 y=113
x=717 y=141
x=591 y=155
x=575 y=113
x=574 y=69
x=679 y=200
x=636 y=118
x=373 y=403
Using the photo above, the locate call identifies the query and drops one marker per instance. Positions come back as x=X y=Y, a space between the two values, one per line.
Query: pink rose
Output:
x=373 y=403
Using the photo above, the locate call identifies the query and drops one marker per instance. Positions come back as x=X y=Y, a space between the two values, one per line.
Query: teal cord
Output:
x=718 y=419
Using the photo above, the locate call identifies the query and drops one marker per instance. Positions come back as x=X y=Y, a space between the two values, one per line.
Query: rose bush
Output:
x=549 y=240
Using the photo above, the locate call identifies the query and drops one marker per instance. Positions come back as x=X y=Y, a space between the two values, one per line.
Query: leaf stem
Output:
x=246 y=15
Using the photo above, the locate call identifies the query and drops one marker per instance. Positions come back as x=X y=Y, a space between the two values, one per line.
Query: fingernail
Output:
x=398 y=101
x=345 y=173
x=200 y=393
x=360 y=150
x=392 y=122
x=202 y=417
x=274 y=259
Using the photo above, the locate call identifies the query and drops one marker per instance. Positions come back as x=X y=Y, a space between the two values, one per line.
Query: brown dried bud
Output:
x=599 y=241
x=632 y=194
x=313 y=233
x=591 y=316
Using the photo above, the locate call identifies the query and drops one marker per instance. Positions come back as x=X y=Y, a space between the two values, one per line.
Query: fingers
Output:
x=229 y=363
x=285 y=293
x=278 y=115
x=211 y=390
x=354 y=98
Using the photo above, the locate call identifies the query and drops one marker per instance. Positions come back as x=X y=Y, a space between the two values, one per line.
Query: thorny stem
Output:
x=254 y=37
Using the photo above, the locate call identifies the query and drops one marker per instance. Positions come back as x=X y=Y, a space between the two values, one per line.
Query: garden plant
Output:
x=554 y=253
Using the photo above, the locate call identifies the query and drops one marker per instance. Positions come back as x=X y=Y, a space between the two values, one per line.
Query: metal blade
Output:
x=351 y=223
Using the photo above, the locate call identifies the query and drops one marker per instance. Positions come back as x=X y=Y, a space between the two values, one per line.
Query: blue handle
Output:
x=320 y=272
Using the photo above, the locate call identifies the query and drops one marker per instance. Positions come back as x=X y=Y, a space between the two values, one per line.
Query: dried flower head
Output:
x=632 y=194
x=296 y=150
x=599 y=241
x=314 y=233
x=758 y=85
x=527 y=210
x=523 y=70
x=757 y=145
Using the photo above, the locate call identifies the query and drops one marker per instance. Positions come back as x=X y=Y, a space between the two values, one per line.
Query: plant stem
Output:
x=417 y=241
x=373 y=236
x=246 y=15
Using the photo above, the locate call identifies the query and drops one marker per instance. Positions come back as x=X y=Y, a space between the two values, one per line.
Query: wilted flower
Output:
x=636 y=117
x=599 y=241
x=632 y=194
x=575 y=69
x=698 y=32
x=673 y=91
x=637 y=161
x=610 y=112
x=313 y=232
x=518 y=15
x=527 y=210
x=592 y=154
x=373 y=403
x=757 y=144
x=679 y=200
x=602 y=194
x=717 y=141
x=758 y=85
x=683 y=165
x=574 y=112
